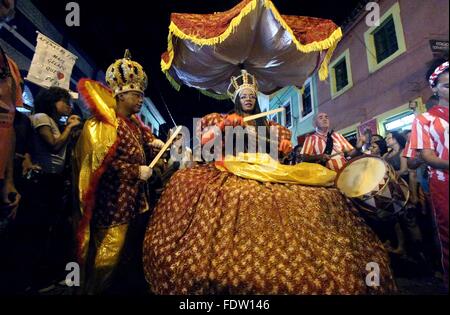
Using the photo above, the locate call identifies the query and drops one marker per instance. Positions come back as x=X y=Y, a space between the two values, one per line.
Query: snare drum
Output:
x=373 y=186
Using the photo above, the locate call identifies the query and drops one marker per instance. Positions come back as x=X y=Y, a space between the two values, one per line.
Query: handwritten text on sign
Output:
x=52 y=64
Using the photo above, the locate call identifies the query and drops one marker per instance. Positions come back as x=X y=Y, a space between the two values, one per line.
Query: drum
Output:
x=373 y=186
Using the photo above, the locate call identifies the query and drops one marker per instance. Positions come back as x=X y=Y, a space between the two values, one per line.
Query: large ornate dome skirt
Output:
x=215 y=233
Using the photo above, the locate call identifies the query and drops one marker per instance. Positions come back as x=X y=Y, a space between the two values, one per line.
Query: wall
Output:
x=400 y=81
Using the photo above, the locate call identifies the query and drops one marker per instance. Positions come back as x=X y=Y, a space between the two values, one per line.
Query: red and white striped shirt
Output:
x=408 y=152
x=430 y=132
x=315 y=145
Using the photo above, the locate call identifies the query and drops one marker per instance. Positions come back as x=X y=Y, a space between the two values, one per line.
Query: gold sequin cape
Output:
x=93 y=153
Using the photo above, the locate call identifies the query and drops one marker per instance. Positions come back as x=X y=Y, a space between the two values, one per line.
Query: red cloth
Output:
x=439 y=197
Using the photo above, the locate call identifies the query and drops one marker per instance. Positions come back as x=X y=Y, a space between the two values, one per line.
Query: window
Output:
x=400 y=122
x=287 y=115
x=23 y=110
x=274 y=118
x=341 y=75
x=340 y=71
x=27 y=96
x=351 y=137
x=307 y=101
x=387 y=41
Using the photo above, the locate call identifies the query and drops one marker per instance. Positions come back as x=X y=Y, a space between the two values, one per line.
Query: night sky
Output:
x=108 y=28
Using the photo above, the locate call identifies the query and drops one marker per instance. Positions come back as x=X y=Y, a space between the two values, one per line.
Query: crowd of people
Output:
x=41 y=222
x=82 y=189
x=410 y=235
x=418 y=232
x=38 y=233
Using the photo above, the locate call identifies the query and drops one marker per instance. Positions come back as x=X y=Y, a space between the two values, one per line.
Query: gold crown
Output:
x=125 y=75
x=244 y=81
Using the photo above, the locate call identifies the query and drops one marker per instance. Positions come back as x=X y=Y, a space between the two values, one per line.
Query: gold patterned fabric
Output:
x=205 y=50
x=120 y=194
x=213 y=232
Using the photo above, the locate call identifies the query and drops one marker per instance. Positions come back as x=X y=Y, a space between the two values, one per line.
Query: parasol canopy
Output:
x=205 y=50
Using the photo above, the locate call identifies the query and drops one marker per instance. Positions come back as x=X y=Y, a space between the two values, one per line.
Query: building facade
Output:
x=300 y=107
x=377 y=73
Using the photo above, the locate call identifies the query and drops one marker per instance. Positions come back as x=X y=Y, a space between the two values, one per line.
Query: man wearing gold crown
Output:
x=112 y=154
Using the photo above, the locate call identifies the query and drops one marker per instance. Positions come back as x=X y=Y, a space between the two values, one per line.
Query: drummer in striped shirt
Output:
x=327 y=147
x=430 y=142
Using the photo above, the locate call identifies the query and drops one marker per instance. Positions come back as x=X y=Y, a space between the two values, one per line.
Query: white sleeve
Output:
x=40 y=120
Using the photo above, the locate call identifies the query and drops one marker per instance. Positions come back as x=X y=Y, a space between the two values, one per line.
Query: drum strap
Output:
x=439 y=111
x=329 y=146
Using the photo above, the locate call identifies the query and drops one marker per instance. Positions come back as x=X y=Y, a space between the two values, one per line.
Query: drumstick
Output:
x=165 y=147
x=253 y=117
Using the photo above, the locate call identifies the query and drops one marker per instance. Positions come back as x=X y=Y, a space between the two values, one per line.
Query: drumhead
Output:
x=361 y=176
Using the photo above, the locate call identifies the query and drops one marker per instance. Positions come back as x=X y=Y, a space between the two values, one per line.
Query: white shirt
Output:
x=51 y=162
